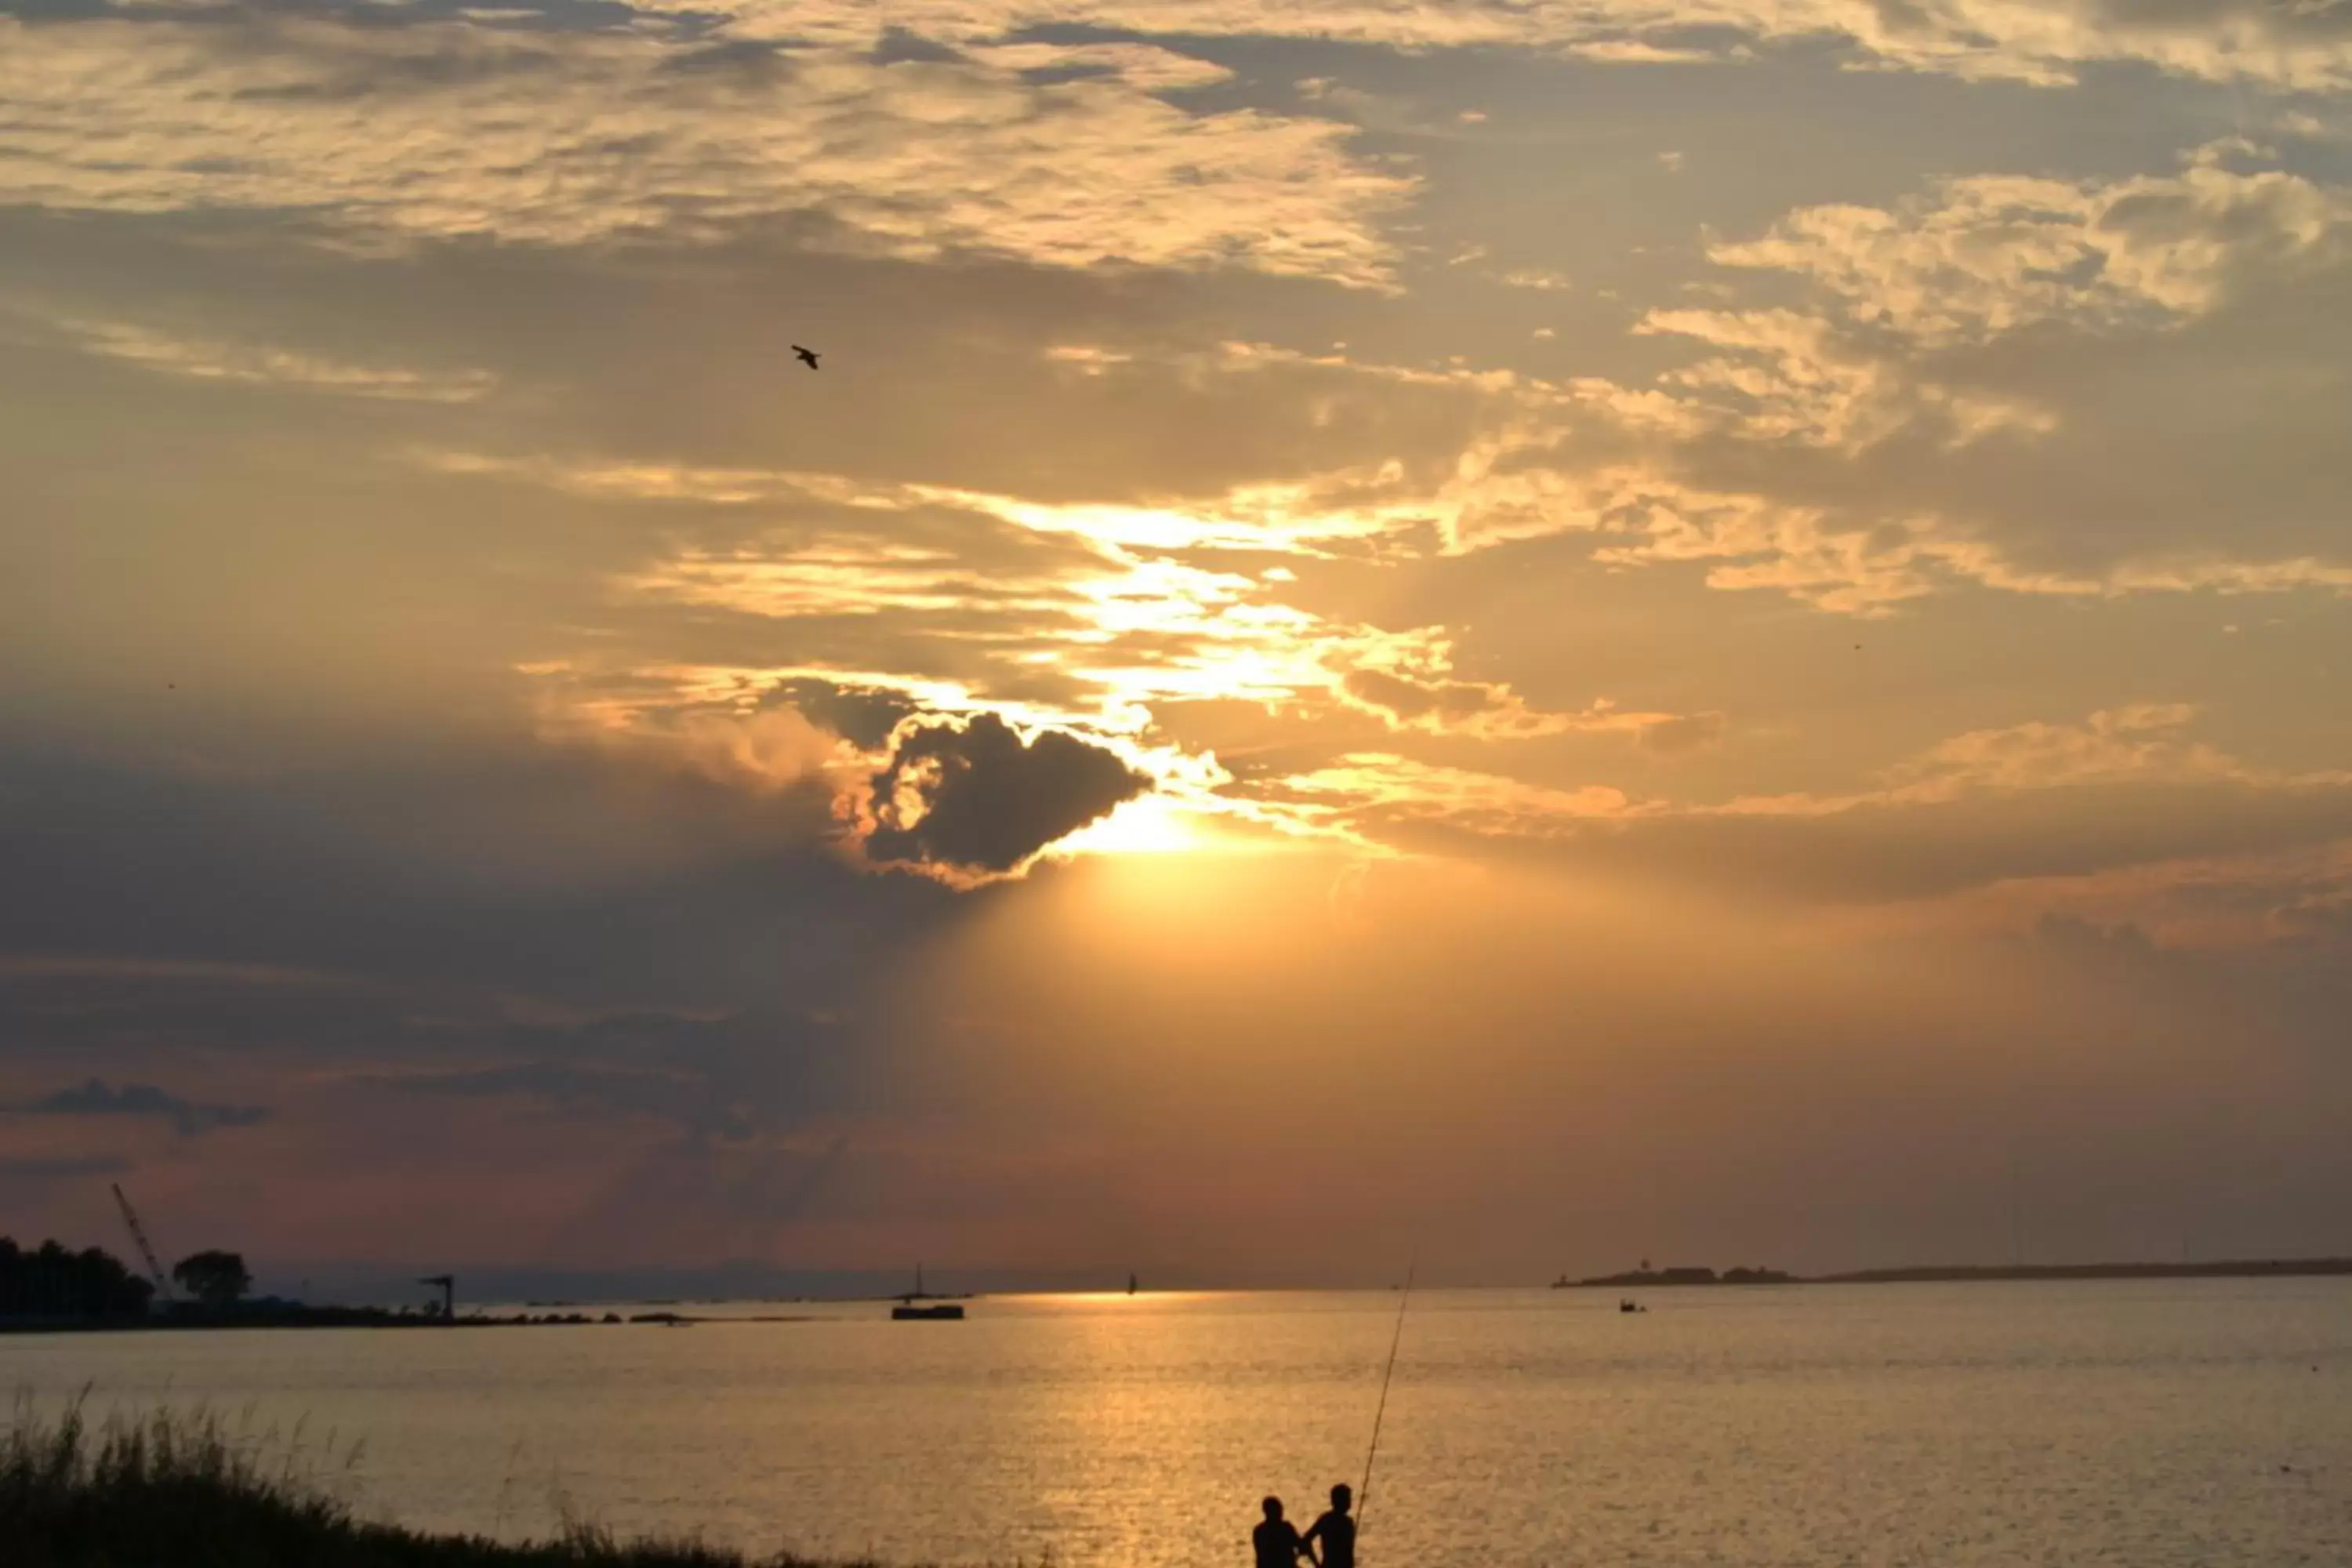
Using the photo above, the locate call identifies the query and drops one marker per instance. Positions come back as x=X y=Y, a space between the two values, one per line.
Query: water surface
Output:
x=2143 y=1423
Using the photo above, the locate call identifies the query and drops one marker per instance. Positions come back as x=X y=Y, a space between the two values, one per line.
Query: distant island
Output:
x=1967 y=1273
x=2232 y=1268
x=1646 y=1276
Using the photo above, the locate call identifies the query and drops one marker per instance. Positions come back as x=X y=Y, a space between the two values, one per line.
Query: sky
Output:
x=1536 y=634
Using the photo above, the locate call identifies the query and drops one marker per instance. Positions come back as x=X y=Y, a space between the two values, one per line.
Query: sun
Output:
x=1147 y=825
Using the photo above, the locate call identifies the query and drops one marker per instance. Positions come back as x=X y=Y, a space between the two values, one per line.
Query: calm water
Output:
x=2143 y=1423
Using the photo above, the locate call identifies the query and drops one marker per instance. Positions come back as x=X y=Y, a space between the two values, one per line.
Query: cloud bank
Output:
x=416 y=131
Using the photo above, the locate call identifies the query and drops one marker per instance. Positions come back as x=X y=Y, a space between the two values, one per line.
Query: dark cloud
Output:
x=2270 y=18
x=594 y=878
x=864 y=716
x=187 y=1116
x=59 y=10
x=973 y=797
x=39 y=1168
x=897 y=44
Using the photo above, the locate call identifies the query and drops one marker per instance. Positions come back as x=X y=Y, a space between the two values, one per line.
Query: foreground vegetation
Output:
x=169 y=1490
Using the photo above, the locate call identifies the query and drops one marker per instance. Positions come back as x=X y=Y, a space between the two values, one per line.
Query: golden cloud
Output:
x=440 y=131
x=1987 y=254
x=2046 y=42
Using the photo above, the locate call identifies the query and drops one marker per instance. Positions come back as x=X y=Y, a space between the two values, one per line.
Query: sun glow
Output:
x=1147 y=825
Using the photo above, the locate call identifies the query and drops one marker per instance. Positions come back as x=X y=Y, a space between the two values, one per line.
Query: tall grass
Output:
x=175 y=1490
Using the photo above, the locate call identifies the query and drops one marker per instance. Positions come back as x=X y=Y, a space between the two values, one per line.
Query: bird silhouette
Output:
x=807 y=356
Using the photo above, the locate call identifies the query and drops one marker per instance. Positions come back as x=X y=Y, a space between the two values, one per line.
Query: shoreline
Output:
x=292 y=1316
x=360 y=1318
x=1970 y=1274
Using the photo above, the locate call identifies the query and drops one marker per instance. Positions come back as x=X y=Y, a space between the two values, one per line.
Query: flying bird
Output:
x=807 y=356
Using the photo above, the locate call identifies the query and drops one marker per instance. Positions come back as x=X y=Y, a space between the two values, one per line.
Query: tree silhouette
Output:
x=48 y=1282
x=216 y=1278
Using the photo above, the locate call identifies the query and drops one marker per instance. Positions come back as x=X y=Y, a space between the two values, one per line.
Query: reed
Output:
x=183 y=1490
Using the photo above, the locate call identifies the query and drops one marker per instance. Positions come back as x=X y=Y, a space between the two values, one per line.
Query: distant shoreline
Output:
x=1969 y=1274
x=288 y=1315
x=296 y=1315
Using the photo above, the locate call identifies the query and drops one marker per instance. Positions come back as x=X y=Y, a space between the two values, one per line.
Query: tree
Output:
x=49 y=1281
x=214 y=1278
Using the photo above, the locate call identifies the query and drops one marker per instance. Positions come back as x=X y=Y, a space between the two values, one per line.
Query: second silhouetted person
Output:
x=1332 y=1538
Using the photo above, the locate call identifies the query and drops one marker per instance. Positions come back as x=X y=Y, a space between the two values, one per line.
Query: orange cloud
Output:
x=431 y=130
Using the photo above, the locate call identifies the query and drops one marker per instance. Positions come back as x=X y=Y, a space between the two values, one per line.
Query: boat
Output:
x=1627 y=1304
x=918 y=1306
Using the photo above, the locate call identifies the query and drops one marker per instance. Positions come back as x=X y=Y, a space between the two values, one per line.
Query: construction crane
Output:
x=138 y=1234
x=448 y=1283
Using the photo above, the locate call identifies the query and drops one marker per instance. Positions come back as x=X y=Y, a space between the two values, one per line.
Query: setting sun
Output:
x=1150 y=824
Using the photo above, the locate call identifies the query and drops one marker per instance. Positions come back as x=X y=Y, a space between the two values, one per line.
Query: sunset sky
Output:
x=1540 y=633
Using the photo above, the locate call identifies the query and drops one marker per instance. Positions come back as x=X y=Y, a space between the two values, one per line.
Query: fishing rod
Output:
x=1364 y=1493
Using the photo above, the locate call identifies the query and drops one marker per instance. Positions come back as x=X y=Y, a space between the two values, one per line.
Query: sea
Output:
x=2146 y=1423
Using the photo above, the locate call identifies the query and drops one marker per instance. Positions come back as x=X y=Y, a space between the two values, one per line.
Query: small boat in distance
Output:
x=1627 y=1304
x=918 y=1306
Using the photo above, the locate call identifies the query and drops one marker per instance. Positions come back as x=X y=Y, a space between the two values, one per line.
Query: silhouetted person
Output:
x=1330 y=1541
x=1276 y=1538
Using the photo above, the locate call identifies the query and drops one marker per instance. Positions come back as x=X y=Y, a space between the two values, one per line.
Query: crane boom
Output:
x=138 y=1234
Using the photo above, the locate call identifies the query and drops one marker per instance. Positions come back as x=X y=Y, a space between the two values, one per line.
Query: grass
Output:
x=172 y=1490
